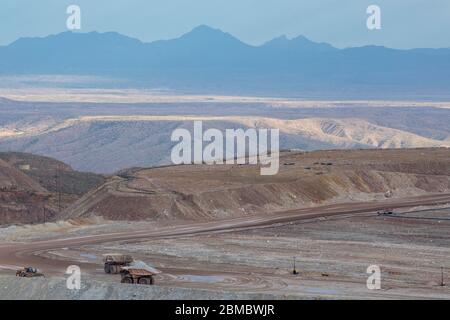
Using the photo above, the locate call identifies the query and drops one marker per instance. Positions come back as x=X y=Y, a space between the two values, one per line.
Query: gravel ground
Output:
x=55 y=289
x=331 y=254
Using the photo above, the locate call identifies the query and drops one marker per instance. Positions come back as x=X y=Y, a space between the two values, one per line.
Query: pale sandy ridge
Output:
x=167 y=96
x=342 y=132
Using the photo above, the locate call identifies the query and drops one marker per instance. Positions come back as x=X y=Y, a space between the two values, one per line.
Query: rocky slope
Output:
x=34 y=188
x=104 y=131
x=105 y=144
x=201 y=192
x=52 y=174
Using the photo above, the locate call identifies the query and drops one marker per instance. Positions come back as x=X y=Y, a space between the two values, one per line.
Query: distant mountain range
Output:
x=209 y=59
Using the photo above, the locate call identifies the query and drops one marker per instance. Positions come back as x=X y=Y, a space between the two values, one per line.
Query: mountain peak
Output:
x=302 y=38
x=279 y=39
x=205 y=28
x=71 y=37
x=300 y=43
x=206 y=34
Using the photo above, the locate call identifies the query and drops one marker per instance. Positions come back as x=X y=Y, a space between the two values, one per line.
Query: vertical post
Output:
x=442 y=277
x=294 y=272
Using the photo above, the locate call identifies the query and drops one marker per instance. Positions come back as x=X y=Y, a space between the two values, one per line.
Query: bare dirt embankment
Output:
x=56 y=289
x=333 y=252
x=21 y=198
x=34 y=188
x=107 y=131
x=202 y=192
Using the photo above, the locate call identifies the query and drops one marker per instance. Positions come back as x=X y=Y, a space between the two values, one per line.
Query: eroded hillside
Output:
x=106 y=131
x=202 y=192
x=36 y=189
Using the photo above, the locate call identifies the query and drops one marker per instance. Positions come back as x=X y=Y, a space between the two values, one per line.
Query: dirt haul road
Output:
x=27 y=254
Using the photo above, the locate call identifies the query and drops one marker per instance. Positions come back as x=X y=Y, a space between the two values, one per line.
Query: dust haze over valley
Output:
x=86 y=121
x=105 y=137
x=321 y=206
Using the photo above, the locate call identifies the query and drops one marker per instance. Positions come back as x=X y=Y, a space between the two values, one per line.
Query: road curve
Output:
x=25 y=254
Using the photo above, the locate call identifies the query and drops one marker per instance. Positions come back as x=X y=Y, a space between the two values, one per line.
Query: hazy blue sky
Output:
x=405 y=23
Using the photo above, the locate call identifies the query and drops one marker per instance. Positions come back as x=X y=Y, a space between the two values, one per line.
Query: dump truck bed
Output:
x=117 y=258
x=140 y=268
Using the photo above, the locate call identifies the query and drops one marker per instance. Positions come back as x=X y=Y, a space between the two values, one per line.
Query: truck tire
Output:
x=144 y=280
x=127 y=279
